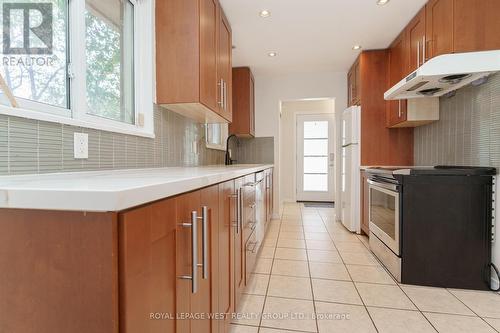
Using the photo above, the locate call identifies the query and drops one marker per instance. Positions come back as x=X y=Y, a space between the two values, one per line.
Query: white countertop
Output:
x=113 y=190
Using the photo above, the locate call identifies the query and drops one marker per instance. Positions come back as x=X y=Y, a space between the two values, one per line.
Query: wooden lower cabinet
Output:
x=239 y=251
x=129 y=271
x=146 y=238
x=58 y=272
x=194 y=296
x=364 y=205
x=228 y=211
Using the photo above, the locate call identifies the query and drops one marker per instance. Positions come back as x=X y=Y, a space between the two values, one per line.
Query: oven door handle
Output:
x=387 y=186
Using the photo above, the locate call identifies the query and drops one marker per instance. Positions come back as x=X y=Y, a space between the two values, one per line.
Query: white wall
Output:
x=288 y=139
x=271 y=90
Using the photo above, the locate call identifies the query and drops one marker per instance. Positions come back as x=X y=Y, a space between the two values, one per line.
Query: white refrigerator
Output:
x=350 y=169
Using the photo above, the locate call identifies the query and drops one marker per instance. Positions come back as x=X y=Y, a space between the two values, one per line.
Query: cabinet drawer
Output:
x=251 y=250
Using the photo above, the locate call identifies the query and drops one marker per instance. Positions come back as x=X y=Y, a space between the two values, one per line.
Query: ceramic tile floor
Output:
x=313 y=275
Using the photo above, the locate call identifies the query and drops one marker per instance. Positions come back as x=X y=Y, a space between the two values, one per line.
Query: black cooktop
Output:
x=442 y=170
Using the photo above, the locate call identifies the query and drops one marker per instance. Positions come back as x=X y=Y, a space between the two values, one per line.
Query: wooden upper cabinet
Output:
x=416 y=40
x=243 y=103
x=188 y=57
x=476 y=25
x=224 y=65
x=398 y=68
x=439 y=28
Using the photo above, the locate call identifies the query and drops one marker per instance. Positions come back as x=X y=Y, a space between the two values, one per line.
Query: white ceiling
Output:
x=312 y=35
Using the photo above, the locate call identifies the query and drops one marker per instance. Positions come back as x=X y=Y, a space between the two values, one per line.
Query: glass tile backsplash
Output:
x=30 y=146
x=468 y=132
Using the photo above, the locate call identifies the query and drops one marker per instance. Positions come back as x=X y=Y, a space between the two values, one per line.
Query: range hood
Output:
x=445 y=73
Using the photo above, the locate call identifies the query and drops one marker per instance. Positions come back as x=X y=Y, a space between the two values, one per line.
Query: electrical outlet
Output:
x=81 y=145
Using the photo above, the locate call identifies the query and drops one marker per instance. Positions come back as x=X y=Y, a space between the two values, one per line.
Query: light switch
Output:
x=81 y=145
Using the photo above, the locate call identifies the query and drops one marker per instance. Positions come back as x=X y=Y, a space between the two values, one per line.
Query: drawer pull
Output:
x=194 y=252
x=252 y=246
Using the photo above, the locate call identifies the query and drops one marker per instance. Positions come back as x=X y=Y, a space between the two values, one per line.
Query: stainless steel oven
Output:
x=384 y=207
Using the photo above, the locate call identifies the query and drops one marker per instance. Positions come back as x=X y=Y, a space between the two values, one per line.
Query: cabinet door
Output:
x=476 y=25
x=147 y=267
x=243 y=123
x=416 y=37
x=398 y=64
x=239 y=253
x=252 y=105
x=357 y=83
x=226 y=233
x=365 y=223
x=224 y=65
x=185 y=204
x=439 y=30
x=208 y=53
x=206 y=300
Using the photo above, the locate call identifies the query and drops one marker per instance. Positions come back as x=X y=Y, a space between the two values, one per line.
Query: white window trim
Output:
x=143 y=81
x=224 y=135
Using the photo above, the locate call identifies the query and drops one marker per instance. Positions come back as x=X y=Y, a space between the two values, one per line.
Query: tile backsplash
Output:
x=253 y=150
x=31 y=146
x=468 y=132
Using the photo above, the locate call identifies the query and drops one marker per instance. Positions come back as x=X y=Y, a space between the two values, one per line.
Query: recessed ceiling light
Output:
x=382 y=2
x=264 y=13
x=272 y=54
x=356 y=47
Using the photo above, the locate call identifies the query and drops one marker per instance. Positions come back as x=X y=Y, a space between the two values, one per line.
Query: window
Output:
x=110 y=59
x=216 y=136
x=79 y=62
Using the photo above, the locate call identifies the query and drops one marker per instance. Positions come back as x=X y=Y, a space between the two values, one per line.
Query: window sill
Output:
x=42 y=116
x=215 y=147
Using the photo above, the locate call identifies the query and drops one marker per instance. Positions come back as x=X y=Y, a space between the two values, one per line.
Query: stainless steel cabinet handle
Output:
x=240 y=213
x=399 y=111
x=237 y=196
x=252 y=225
x=194 y=252
x=221 y=93
x=253 y=184
x=204 y=240
x=225 y=94
x=418 y=54
x=253 y=248
x=423 y=51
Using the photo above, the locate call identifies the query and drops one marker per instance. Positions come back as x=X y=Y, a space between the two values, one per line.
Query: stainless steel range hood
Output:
x=445 y=73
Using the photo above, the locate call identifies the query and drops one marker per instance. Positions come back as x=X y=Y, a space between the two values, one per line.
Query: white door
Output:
x=315 y=157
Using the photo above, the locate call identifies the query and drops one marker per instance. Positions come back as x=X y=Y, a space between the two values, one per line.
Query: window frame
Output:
x=224 y=133
x=77 y=114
